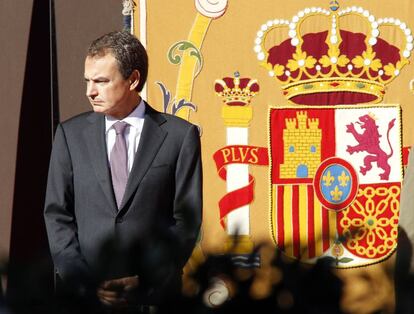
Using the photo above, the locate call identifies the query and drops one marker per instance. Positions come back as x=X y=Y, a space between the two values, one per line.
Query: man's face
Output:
x=106 y=89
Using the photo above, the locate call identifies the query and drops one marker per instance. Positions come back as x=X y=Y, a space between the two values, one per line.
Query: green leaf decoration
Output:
x=345 y=260
x=175 y=57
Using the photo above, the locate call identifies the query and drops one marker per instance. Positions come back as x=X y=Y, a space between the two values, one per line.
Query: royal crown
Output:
x=236 y=91
x=334 y=66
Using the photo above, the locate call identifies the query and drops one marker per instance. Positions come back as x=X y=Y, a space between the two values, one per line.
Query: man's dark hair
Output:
x=127 y=51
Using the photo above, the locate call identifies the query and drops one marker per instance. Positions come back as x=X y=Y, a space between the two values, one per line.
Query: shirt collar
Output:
x=134 y=119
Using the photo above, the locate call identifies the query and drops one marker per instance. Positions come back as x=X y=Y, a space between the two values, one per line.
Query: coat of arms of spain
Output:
x=335 y=152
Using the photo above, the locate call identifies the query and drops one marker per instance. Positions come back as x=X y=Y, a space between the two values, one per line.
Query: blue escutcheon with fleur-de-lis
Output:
x=335 y=183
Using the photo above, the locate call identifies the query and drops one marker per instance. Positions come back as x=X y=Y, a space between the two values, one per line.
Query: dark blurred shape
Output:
x=280 y=285
x=3 y=272
x=293 y=287
x=404 y=280
x=30 y=272
x=154 y=259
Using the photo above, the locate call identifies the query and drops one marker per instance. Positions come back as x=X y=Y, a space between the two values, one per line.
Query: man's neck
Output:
x=128 y=109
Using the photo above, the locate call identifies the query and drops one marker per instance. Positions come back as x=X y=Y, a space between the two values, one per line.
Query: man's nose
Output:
x=91 y=90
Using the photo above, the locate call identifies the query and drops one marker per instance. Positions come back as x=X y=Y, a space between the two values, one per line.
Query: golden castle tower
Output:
x=302 y=147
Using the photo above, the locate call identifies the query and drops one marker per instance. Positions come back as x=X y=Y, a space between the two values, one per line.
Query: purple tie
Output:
x=119 y=162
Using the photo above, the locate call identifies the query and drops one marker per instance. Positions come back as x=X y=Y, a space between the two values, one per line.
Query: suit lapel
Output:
x=151 y=139
x=94 y=136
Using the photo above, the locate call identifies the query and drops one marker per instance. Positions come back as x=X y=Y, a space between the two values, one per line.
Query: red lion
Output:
x=369 y=141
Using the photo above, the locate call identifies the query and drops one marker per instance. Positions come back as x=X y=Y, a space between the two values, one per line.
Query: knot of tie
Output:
x=120 y=127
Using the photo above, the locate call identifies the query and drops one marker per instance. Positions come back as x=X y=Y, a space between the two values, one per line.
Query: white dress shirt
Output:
x=132 y=134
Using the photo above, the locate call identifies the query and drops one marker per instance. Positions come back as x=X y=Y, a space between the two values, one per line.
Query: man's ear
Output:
x=134 y=80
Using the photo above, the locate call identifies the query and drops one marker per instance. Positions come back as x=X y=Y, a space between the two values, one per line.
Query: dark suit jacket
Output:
x=163 y=194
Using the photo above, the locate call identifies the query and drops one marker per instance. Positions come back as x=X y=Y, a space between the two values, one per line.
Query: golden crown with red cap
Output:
x=236 y=91
x=334 y=66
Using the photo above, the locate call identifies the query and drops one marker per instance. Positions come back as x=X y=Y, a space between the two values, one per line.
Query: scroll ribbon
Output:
x=238 y=154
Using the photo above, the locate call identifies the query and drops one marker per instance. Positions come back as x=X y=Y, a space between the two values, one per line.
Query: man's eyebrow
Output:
x=98 y=78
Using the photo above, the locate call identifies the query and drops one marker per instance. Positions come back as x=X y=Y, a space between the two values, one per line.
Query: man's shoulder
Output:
x=79 y=120
x=176 y=121
x=172 y=121
x=177 y=127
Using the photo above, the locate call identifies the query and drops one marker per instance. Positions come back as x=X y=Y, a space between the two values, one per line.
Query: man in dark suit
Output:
x=123 y=174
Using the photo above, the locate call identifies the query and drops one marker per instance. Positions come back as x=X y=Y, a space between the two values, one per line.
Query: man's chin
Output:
x=98 y=109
